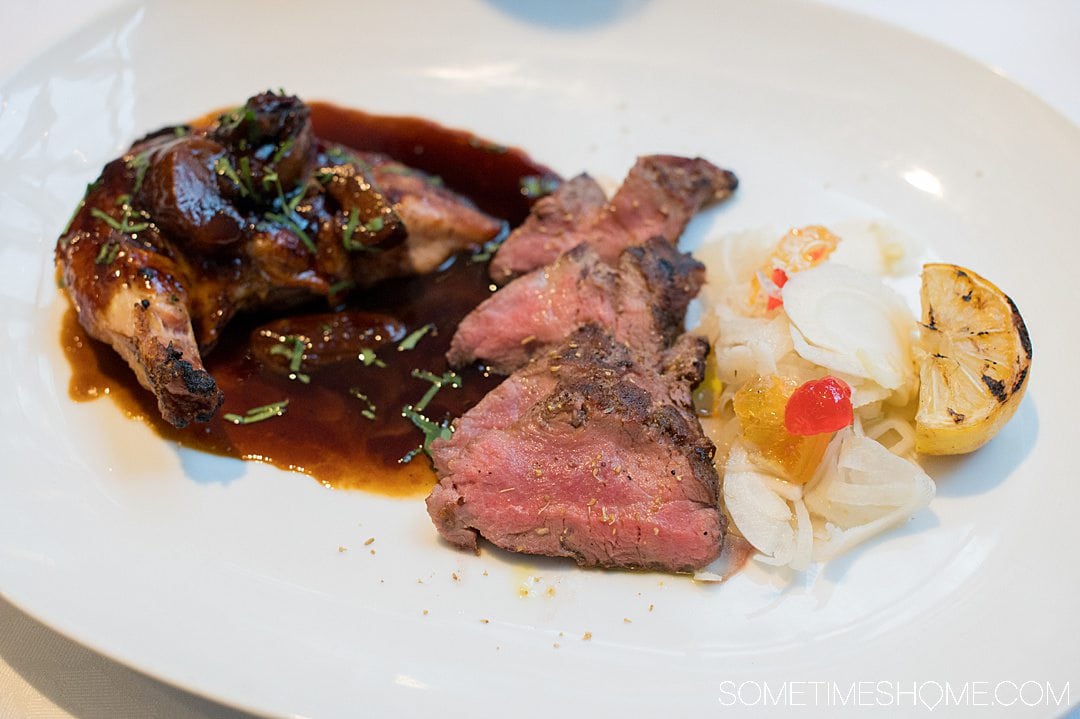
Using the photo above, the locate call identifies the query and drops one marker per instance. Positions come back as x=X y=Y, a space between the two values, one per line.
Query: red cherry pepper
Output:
x=819 y=406
x=779 y=278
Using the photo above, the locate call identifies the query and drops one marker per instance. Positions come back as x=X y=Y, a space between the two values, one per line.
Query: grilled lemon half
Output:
x=975 y=362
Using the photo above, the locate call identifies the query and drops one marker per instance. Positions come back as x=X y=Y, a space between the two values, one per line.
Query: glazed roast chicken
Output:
x=193 y=225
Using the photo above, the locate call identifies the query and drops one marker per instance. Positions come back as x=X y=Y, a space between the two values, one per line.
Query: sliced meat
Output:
x=591 y=452
x=540 y=238
x=657 y=199
x=642 y=302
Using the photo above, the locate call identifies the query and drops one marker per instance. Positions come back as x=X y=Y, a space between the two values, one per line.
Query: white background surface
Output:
x=1036 y=44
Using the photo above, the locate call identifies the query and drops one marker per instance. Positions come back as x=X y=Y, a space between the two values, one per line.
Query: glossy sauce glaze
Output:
x=344 y=426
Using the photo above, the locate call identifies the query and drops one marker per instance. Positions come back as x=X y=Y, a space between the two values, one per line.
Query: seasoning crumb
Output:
x=550 y=591
x=484 y=573
x=369 y=541
x=626 y=620
x=650 y=607
x=556 y=645
x=455 y=577
x=485 y=621
x=373 y=551
x=425 y=612
x=586 y=636
x=341 y=549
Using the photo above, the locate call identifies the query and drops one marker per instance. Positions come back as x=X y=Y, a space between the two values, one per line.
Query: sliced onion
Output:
x=804 y=537
x=868 y=490
x=763 y=517
x=850 y=322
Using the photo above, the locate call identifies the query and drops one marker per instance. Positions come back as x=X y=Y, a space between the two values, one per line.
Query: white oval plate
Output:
x=226 y=578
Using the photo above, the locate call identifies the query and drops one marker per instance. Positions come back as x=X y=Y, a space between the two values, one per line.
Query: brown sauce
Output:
x=323 y=431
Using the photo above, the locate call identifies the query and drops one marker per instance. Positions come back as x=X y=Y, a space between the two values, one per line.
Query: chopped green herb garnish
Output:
x=341 y=286
x=180 y=130
x=452 y=379
x=271 y=180
x=282 y=150
x=369 y=358
x=139 y=164
x=486 y=146
x=535 y=186
x=406 y=171
x=414 y=413
x=338 y=153
x=369 y=411
x=432 y=430
x=258 y=414
x=107 y=253
x=350 y=228
x=488 y=248
x=403 y=170
x=222 y=166
x=230 y=121
x=106 y=218
x=294 y=201
x=245 y=173
x=349 y=231
x=124 y=224
x=293 y=347
x=290 y=223
x=414 y=337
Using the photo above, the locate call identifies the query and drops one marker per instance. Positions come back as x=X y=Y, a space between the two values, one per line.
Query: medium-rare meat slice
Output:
x=590 y=451
x=642 y=302
x=657 y=199
x=541 y=237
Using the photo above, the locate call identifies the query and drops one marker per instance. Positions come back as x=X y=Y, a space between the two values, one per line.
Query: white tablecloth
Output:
x=1036 y=43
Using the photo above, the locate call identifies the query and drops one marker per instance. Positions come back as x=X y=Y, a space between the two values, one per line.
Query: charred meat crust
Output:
x=184 y=392
x=657 y=199
x=642 y=301
x=673 y=279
